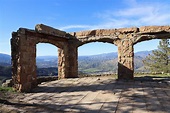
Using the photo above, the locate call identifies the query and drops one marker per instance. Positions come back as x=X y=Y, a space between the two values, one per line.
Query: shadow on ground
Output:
x=149 y=93
x=152 y=79
x=96 y=87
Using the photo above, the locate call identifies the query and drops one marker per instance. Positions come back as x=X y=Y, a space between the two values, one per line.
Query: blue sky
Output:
x=78 y=15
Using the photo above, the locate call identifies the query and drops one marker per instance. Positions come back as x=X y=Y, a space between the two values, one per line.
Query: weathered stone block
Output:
x=8 y=83
x=153 y=29
x=40 y=28
x=128 y=30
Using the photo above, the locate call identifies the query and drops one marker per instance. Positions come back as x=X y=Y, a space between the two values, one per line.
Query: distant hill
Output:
x=143 y=54
x=47 y=57
x=107 y=63
x=47 y=61
x=5 y=60
x=101 y=63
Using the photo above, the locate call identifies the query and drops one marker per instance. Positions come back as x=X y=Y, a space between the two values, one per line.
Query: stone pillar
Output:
x=72 y=60
x=67 y=61
x=62 y=62
x=23 y=61
x=125 y=59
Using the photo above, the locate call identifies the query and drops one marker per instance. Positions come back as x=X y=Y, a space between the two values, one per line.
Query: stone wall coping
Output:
x=41 y=28
x=154 y=29
x=110 y=32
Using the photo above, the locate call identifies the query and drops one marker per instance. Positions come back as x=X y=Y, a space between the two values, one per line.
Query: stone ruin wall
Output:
x=23 y=57
x=23 y=46
x=124 y=39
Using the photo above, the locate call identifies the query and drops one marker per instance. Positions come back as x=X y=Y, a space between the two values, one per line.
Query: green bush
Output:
x=6 y=89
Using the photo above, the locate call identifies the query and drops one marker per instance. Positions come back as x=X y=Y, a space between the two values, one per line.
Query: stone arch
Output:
x=122 y=38
x=23 y=46
x=91 y=39
x=152 y=32
x=47 y=48
x=59 y=46
x=103 y=43
x=99 y=39
x=52 y=42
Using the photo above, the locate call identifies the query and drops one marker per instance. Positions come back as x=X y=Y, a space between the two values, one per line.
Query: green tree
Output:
x=159 y=60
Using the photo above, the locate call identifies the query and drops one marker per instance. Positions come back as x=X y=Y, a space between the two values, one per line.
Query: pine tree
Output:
x=159 y=60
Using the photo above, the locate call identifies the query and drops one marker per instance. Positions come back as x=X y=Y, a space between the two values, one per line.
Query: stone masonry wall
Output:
x=62 y=62
x=23 y=57
x=73 y=59
x=15 y=59
x=125 y=59
x=23 y=46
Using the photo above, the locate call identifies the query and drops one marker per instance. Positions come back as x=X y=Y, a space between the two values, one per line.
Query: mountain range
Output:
x=5 y=60
x=107 y=63
x=101 y=63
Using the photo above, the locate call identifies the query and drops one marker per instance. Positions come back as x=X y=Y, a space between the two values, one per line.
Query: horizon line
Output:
x=82 y=55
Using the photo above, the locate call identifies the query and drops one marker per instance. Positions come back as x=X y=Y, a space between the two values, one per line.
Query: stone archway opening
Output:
x=97 y=58
x=143 y=49
x=46 y=59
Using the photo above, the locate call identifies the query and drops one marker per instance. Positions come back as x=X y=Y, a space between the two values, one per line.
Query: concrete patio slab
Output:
x=95 y=95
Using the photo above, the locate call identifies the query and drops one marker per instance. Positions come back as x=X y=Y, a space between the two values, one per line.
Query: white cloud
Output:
x=75 y=26
x=136 y=11
x=141 y=14
x=136 y=14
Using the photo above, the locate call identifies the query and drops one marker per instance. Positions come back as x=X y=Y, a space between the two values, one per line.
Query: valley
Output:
x=94 y=64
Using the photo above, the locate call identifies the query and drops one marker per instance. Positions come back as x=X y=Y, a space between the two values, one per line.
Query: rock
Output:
x=7 y=83
x=40 y=28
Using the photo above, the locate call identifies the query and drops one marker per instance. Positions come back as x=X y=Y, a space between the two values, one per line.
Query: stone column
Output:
x=23 y=61
x=72 y=60
x=125 y=59
x=67 y=61
x=63 y=62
